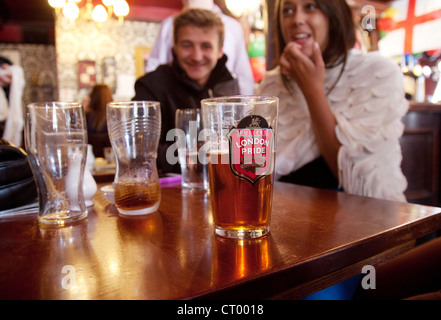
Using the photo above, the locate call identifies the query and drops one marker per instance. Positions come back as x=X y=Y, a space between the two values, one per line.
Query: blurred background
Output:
x=66 y=46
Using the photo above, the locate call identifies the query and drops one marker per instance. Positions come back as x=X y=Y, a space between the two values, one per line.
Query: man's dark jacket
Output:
x=170 y=85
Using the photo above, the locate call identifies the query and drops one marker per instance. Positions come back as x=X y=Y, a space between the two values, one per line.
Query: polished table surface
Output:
x=318 y=238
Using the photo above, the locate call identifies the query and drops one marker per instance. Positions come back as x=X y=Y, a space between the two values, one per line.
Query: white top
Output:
x=368 y=103
x=13 y=108
x=238 y=62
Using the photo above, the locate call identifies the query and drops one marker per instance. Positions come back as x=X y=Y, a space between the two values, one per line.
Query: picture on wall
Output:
x=86 y=74
x=141 y=57
x=109 y=73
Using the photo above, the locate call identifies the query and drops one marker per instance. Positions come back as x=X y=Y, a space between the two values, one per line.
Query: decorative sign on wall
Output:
x=86 y=74
x=142 y=54
x=109 y=73
x=88 y=41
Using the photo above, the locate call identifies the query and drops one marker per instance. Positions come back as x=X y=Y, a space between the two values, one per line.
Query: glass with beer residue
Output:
x=134 y=129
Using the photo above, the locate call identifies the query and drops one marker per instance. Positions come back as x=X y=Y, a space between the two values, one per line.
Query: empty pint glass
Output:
x=240 y=146
x=134 y=128
x=56 y=143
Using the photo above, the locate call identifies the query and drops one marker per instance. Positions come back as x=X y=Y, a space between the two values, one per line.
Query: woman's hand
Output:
x=5 y=75
x=308 y=73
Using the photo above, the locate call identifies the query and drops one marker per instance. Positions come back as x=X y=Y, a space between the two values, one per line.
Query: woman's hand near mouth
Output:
x=308 y=73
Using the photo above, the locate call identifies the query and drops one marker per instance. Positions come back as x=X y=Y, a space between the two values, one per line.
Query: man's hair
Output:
x=200 y=18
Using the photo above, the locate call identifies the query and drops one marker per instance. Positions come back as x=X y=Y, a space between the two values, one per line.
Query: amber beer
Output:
x=134 y=130
x=239 y=206
x=240 y=134
x=135 y=196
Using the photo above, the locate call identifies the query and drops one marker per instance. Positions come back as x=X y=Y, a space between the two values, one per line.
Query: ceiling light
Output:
x=58 y=4
x=121 y=8
x=71 y=11
x=99 y=13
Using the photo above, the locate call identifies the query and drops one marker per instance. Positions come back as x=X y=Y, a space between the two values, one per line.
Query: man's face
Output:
x=197 y=51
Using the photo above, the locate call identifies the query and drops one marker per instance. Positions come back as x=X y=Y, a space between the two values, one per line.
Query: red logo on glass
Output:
x=251 y=148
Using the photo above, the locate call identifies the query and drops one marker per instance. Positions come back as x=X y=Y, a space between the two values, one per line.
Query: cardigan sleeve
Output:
x=368 y=106
x=295 y=141
x=368 y=103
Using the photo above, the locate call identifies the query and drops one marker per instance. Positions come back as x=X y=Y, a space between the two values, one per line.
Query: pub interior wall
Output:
x=89 y=41
x=40 y=70
x=51 y=71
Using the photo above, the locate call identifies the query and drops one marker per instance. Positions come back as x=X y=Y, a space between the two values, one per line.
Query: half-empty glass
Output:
x=134 y=129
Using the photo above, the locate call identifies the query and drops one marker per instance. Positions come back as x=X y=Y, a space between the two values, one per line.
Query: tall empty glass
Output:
x=134 y=129
x=56 y=142
x=240 y=145
x=194 y=172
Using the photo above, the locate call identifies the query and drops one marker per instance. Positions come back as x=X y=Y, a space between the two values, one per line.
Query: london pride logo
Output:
x=251 y=148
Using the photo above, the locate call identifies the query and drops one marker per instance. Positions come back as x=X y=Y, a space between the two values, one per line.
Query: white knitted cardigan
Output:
x=368 y=103
x=13 y=109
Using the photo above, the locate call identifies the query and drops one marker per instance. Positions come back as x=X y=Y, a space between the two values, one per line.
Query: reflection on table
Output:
x=318 y=238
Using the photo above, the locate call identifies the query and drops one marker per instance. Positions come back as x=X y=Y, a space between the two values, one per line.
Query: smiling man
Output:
x=197 y=71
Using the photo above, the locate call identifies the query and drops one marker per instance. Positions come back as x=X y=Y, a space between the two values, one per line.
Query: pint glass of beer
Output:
x=240 y=138
x=134 y=128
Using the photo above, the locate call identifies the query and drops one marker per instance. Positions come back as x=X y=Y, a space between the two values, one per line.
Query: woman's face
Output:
x=304 y=23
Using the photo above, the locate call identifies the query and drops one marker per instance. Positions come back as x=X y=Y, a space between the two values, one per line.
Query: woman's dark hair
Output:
x=100 y=96
x=341 y=32
x=4 y=60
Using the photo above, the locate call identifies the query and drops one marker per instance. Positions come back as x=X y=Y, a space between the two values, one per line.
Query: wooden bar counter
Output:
x=318 y=238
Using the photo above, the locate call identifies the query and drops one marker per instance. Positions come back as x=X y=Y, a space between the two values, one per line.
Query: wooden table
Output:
x=318 y=238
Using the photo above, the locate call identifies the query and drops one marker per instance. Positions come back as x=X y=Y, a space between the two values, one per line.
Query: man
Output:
x=234 y=45
x=198 y=71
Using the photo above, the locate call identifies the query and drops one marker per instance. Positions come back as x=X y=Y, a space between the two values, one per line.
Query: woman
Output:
x=96 y=116
x=340 y=109
x=99 y=97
